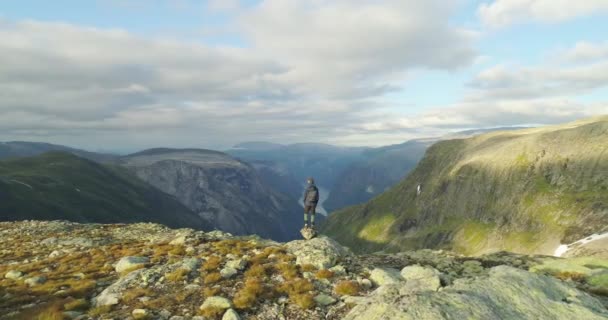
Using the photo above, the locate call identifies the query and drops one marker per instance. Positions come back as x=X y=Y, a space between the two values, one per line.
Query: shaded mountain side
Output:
x=523 y=191
x=380 y=169
x=19 y=149
x=302 y=160
x=225 y=191
x=278 y=177
x=60 y=185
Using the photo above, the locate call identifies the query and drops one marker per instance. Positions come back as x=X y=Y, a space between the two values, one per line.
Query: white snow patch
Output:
x=562 y=249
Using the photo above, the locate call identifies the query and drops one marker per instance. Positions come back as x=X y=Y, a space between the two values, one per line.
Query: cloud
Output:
x=586 y=51
x=501 y=13
x=309 y=70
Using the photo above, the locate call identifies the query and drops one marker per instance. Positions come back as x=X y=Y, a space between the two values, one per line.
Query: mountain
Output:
x=60 y=185
x=322 y=161
x=523 y=191
x=378 y=170
x=19 y=149
x=225 y=191
x=63 y=270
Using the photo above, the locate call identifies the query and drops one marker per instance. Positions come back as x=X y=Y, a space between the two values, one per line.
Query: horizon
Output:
x=128 y=75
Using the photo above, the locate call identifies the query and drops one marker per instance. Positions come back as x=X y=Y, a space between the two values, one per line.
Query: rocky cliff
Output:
x=224 y=191
x=524 y=191
x=62 y=270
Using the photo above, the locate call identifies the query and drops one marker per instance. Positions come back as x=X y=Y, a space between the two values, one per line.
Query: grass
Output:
x=324 y=274
x=347 y=288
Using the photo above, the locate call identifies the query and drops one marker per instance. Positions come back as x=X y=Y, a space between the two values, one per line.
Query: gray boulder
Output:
x=505 y=293
x=13 y=275
x=230 y=314
x=384 y=276
x=322 y=252
x=420 y=278
x=131 y=263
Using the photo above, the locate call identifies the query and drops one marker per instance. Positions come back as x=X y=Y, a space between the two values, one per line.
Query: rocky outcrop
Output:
x=506 y=293
x=222 y=190
x=321 y=252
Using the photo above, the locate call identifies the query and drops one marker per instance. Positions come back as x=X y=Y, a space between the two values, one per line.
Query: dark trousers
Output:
x=310 y=208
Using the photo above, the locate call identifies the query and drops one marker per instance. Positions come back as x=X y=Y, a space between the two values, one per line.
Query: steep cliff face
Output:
x=221 y=189
x=523 y=191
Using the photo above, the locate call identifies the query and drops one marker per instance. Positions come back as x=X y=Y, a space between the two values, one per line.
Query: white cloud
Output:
x=586 y=51
x=500 y=13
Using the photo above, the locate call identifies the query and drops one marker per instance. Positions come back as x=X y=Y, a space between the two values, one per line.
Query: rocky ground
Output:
x=62 y=270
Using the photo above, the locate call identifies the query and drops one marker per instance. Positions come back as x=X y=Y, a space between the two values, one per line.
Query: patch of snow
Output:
x=562 y=249
x=22 y=183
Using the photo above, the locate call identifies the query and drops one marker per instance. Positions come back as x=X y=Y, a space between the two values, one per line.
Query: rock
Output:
x=366 y=284
x=131 y=263
x=140 y=313
x=228 y=273
x=112 y=294
x=230 y=314
x=177 y=318
x=165 y=314
x=504 y=293
x=322 y=252
x=34 y=281
x=191 y=264
x=216 y=302
x=72 y=314
x=308 y=233
x=54 y=254
x=338 y=270
x=383 y=276
x=179 y=241
x=420 y=278
x=325 y=300
x=13 y=275
x=238 y=264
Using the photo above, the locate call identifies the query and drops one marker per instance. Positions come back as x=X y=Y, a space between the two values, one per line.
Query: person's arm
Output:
x=305 y=196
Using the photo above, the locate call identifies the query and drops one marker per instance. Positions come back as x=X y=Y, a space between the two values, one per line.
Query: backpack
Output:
x=313 y=194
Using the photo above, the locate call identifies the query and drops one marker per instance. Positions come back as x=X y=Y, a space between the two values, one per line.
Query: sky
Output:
x=124 y=75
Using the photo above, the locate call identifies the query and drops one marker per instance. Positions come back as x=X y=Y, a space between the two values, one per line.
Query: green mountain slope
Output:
x=523 y=191
x=60 y=185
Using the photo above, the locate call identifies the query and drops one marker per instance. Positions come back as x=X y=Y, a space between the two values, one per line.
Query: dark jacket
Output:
x=311 y=195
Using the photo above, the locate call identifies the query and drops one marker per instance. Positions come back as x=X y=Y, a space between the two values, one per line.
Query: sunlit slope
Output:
x=523 y=191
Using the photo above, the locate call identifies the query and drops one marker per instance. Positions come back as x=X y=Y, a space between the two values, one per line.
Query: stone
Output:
x=228 y=273
x=338 y=270
x=216 y=302
x=238 y=264
x=383 y=276
x=324 y=299
x=420 y=278
x=54 y=254
x=13 y=275
x=112 y=294
x=177 y=318
x=308 y=233
x=140 y=313
x=179 y=241
x=321 y=252
x=230 y=314
x=191 y=264
x=34 y=281
x=366 y=284
x=503 y=293
x=131 y=263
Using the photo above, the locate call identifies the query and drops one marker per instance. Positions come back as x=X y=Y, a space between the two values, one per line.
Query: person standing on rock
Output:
x=311 y=198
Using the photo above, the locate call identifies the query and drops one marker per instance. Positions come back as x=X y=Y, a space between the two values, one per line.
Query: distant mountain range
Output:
x=60 y=185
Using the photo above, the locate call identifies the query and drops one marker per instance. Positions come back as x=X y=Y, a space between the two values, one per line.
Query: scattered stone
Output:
x=366 y=284
x=325 y=300
x=420 y=278
x=13 y=275
x=72 y=314
x=179 y=241
x=338 y=270
x=308 y=233
x=383 y=276
x=238 y=264
x=191 y=264
x=34 y=281
x=140 y=313
x=230 y=314
x=216 y=302
x=54 y=254
x=177 y=318
x=131 y=263
x=228 y=273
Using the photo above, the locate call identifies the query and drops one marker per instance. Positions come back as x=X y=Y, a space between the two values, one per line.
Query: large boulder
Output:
x=384 y=276
x=322 y=252
x=418 y=278
x=505 y=293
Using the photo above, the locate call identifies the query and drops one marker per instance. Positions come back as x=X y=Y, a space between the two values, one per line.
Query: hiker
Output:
x=311 y=198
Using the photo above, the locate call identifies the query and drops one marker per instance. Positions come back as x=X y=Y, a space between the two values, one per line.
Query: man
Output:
x=311 y=198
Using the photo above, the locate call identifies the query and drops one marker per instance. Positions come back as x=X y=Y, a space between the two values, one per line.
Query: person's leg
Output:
x=312 y=215
x=306 y=210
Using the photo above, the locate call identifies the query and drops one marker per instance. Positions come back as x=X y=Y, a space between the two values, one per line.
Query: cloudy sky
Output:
x=130 y=74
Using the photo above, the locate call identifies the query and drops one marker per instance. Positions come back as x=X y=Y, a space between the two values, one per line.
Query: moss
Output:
x=324 y=274
x=304 y=300
x=212 y=278
x=599 y=281
x=375 y=230
x=347 y=288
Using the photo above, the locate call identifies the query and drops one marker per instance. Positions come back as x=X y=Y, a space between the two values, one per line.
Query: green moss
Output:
x=600 y=280
x=377 y=228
